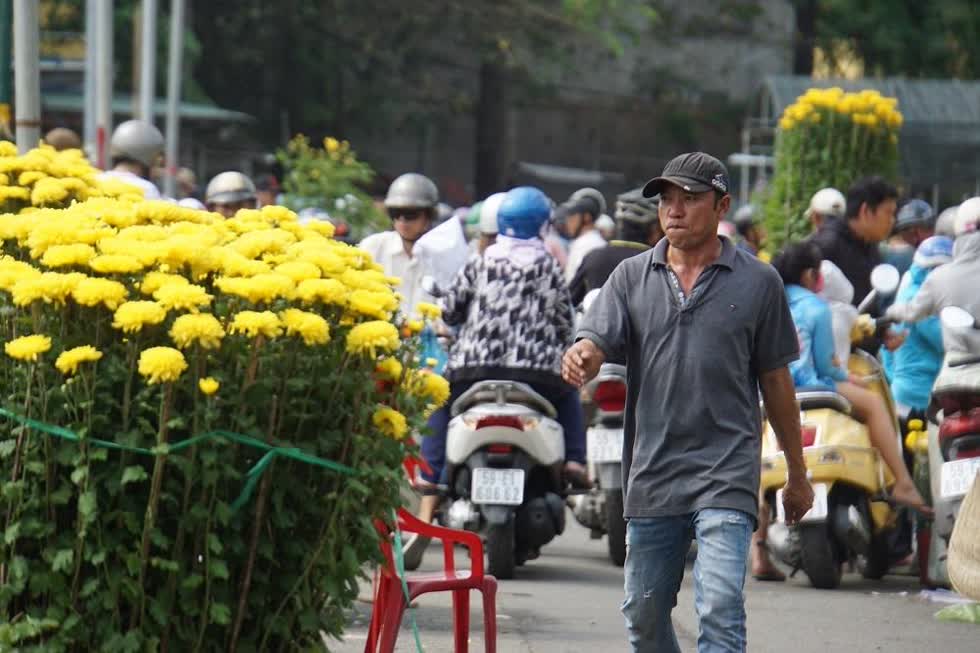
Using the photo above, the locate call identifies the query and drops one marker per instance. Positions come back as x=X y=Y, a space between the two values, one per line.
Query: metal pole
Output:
x=175 y=65
x=103 y=82
x=27 y=77
x=91 y=39
x=6 y=47
x=148 y=62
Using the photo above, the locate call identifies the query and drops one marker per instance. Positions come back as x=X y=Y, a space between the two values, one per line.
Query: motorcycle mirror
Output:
x=430 y=286
x=885 y=279
x=589 y=299
x=954 y=317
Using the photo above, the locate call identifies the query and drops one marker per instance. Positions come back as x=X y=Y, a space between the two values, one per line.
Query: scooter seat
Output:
x=816 y=399
x=503 y=392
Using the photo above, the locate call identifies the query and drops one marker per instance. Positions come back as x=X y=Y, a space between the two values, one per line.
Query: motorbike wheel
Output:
x=819 y=560
x=875 y=565
x=500 y=551
x=616 y=527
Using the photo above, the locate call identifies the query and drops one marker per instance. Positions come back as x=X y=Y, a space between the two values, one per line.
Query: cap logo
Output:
x=718 y=181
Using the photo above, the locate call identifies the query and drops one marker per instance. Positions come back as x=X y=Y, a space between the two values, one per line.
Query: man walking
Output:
x=701 y=327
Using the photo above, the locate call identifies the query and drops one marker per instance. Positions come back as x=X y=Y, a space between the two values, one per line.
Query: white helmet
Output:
x=228 y=188
x=605 y=224
x=488 y=214
x=945 y=223
x=967 y=217
x=827 y=202
x=137 y=140
x=412 y=191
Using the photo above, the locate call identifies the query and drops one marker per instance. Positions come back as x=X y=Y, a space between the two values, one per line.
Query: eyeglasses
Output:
x=408 y=215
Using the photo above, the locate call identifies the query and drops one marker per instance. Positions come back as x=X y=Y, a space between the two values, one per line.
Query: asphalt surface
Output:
x=568 y=601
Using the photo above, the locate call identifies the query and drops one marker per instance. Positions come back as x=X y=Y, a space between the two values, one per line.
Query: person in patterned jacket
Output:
x=515 y=320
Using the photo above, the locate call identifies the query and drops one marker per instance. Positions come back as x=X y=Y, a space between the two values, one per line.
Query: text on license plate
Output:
x=499 y=486
x=818 y=511
x=956 y=477
x=605 y=445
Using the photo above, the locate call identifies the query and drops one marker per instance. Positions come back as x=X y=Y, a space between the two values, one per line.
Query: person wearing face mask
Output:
x=411 y=204
x=852 y=243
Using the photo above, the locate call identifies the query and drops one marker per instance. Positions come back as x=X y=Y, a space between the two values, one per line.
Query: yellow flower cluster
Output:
x=257 y=323
x=201 y=329
x=312 y=328
x=371 y=337
x=27 y=348
x=208 y=385
x=867 y=108
x=69 y=360
x=390 y=422
x=161 y=364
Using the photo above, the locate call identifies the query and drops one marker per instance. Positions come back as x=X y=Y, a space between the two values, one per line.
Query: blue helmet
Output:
x=915 y=213
x=934 y=251
x=523 y=212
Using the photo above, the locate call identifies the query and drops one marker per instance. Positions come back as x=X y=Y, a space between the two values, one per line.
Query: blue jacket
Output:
x=918 y=361
x=815 y=368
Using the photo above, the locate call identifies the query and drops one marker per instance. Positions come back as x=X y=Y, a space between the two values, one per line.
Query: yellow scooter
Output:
x=850 y=519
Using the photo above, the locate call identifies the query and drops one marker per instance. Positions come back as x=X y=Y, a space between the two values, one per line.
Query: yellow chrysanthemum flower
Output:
x=131 y=317
x=153 y=281
x=415 y=326
x=256 y=323
x=69 y=360
x=115 y=264
x=51 y=287
x=27 y=348
x=390 y=369
x=427 y=385
x=429 y=311
x=299 y=271
x=93 y=291
x=390 y=422
x=48 y=191
x=58 y=256
x=180 y=297
x=202 y=329
x=312 y=328
x=262 y=288
x=326 y=291
x=369 y=337
x=208 y=385
x=379 y=305
x=161 y=364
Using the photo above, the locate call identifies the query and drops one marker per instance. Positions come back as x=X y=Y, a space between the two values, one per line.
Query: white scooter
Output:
x=505 y=453
x=954 y=442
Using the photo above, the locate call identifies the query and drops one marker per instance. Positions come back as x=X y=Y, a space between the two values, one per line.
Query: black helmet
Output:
x=633 y=207
x=915 y=213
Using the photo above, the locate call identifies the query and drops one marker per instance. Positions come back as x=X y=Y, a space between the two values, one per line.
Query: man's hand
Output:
x=581 y=363
x=797 y=498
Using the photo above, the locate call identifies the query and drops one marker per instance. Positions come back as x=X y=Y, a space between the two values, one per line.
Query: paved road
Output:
x=568 y=601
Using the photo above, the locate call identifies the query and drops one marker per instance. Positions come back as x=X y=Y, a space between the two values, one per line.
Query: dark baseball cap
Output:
x=695 y=172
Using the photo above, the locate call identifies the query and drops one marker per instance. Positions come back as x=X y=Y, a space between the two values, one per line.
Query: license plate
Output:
x=605 y=445
x=818 y=511
x=498 y=486
x=957 y=477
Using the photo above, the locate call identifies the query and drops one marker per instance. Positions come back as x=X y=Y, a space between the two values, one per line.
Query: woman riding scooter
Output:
x=799 y=267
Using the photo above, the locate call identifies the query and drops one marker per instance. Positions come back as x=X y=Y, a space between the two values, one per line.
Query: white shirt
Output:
x=579 y=249
x=150 y=191
x=387 y=250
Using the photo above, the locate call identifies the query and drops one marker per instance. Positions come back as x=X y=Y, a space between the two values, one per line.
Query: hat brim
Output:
x=657 y=185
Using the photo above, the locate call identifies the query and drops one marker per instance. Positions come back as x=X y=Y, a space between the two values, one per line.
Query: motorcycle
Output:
x=601 y=510
x=954 y=452
x=850 y=519
x=505 y=453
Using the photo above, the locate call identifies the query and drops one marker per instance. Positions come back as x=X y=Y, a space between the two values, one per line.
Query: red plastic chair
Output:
x=390 y=601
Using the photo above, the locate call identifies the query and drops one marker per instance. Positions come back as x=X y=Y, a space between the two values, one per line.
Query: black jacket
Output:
x=855 y=258
x=599 y=264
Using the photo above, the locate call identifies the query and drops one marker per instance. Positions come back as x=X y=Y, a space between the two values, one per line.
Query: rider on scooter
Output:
x=799 y=266
x=515 y=319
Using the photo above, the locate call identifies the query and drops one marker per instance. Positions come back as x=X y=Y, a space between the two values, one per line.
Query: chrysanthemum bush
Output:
x=828 y=138
x=136 y=326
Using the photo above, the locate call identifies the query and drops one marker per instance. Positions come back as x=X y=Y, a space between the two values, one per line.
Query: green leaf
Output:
x=218 y=569
x=192 y=582
x=214 y=544
x=88 y=587
x=10 y=535
x=63 y=560
x=7 y=447
x=220 y=614
x=87 y=505
x=165 y=565
x=133 y=474
x=79 y=475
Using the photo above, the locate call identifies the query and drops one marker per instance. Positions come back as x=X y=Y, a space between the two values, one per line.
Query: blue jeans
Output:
x=566 y=402
x=656 y=548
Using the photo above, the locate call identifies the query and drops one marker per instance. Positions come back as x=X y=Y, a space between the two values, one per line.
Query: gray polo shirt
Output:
x=692 y=415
